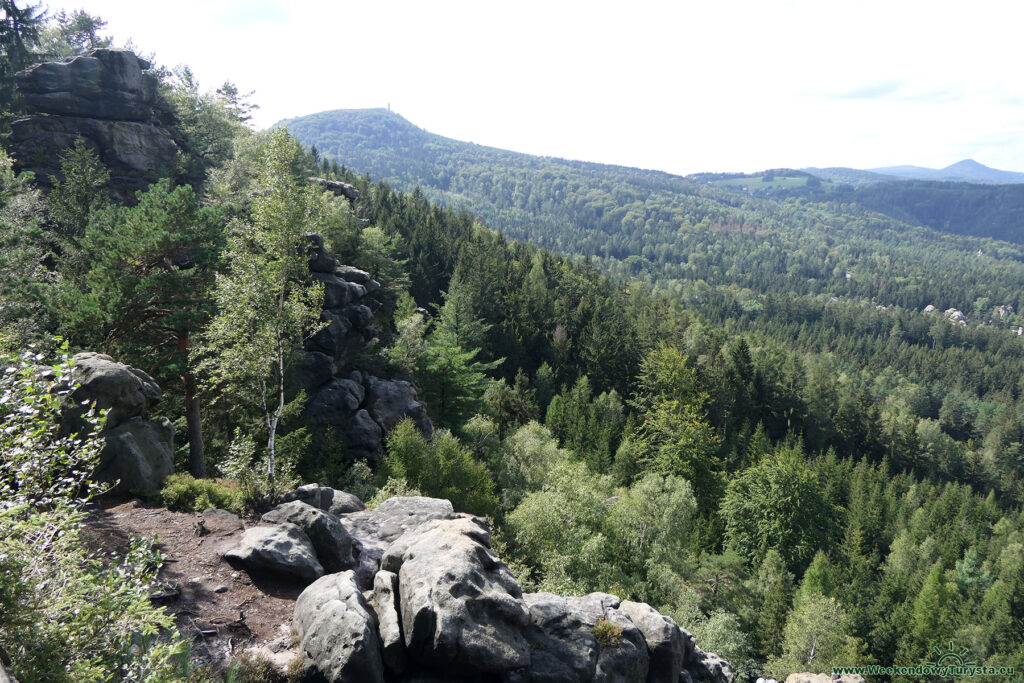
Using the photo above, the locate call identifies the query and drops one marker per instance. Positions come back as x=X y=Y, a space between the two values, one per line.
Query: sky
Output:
x=678 y=86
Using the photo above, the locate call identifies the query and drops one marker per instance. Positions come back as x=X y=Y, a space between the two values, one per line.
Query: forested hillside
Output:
x=733 y=408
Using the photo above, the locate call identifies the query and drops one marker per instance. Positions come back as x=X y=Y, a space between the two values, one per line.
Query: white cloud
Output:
x=681 y=86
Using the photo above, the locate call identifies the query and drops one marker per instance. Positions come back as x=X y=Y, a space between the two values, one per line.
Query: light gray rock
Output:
x=126 y=392
x=663 y=638
x=282 y=548
x=338 y=632
x=325 y=498
x=461 y=607
x=374 y=530
x=330 y=540
x=337 y=187
x=386 y=604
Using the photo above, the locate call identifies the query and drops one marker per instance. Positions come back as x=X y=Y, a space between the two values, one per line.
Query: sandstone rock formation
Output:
x=430 y=601
x=139 y=451
x=357 y=408
x=104 y=98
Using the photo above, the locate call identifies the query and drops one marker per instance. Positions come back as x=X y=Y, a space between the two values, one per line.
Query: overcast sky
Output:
x=677 y=86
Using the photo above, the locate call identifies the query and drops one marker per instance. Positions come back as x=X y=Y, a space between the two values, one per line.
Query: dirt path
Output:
x=224 y=609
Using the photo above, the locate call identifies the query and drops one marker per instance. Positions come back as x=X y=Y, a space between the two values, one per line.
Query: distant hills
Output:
x=585 y=208
x=966 y=171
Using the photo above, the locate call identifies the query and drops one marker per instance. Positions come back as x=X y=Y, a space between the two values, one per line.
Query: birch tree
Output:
x=267 y=305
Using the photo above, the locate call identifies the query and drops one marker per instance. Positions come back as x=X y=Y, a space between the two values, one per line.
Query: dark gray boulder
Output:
x=138 y=455
x=365 y=436
x=282 y=549
x=565 y=645
x=352 y=274
x=359 y=315
x=338 y=632
x=704 y=666
x=330 y=540
x=103 y=84
x=336 y=339
x=461 y=607
x=374 y=530
x=126 y=392
x=338 y=293
x=138 y=452
x=135 y=152
x=334 y=404
x=391 y=401
x=313 y=370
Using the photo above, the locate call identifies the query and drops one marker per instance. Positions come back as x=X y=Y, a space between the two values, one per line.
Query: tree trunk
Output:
x=196 y=451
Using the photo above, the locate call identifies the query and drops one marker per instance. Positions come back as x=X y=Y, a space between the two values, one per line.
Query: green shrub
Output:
x=67 y=615
x=184 y=492
x=606 y=633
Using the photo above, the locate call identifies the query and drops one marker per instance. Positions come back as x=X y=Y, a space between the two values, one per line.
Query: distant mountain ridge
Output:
x=967 y=170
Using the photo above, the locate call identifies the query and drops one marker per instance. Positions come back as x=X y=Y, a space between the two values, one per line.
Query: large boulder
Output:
x=138 y=455
x=374 y=530
x=127 y=393
x=566 y=637
x=282 y=549
x=327 y=499
x=664 y=641
x=391 y=401
x=704 y=666
x=461 y=607
x=330 y=540
x=103 y=84
x=138 y=452
x=338 y=632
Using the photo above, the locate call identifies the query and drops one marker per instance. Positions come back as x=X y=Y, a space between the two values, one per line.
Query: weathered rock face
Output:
x=282 y=548
x=139 y=451
x=104 y=84
x=461 y=608
x=332 y=544
x=104 y=98
x=439 y=605
x=338 y=631
x=375 y=530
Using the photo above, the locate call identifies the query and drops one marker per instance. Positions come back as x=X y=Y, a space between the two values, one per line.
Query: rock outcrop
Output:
x=357 y=408
x=430 y=601
x=104 y=98
x=139 y=450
